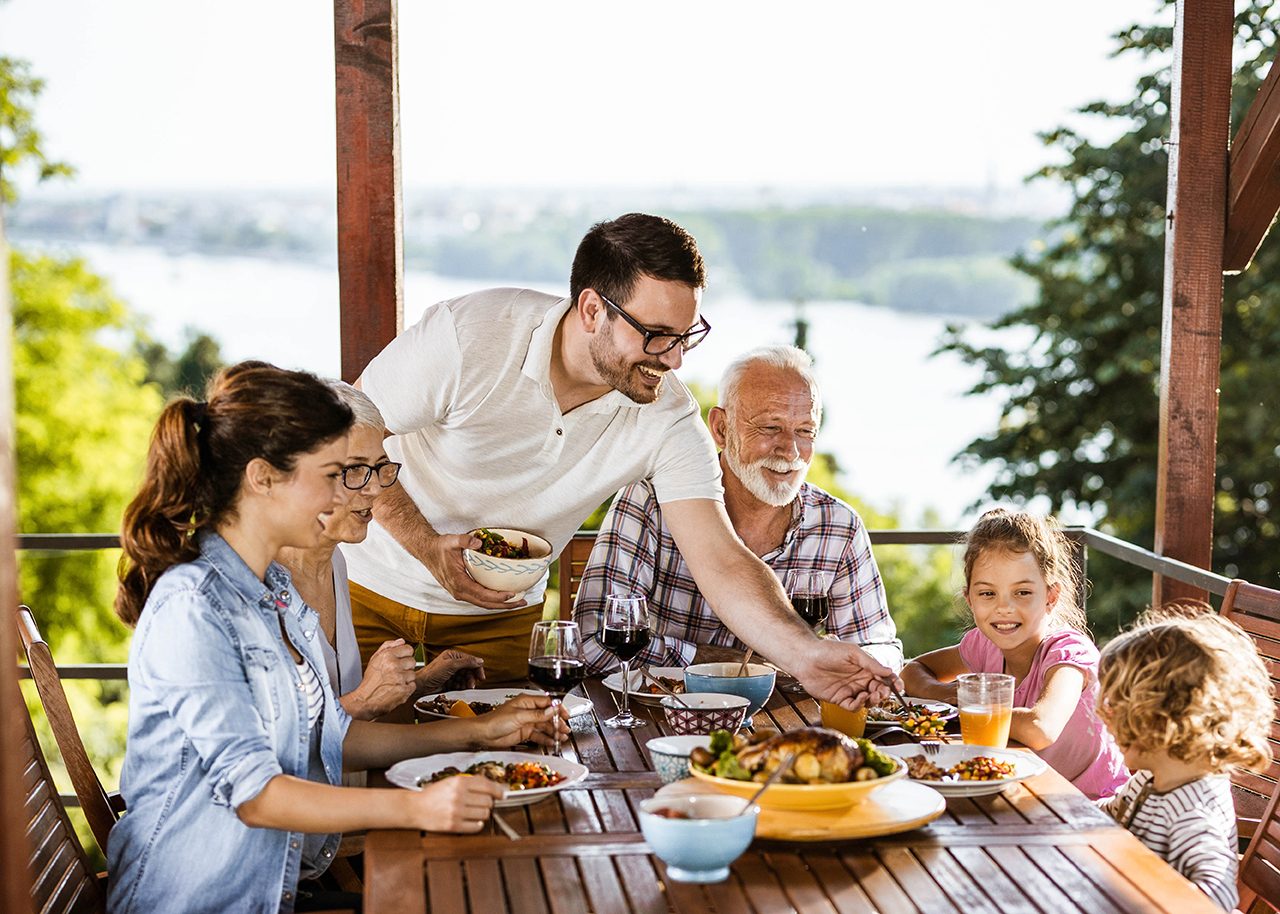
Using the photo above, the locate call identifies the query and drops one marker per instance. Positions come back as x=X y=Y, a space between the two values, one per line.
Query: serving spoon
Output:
x=769 y=782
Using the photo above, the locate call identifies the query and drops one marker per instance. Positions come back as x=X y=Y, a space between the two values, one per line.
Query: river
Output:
x=894 y=416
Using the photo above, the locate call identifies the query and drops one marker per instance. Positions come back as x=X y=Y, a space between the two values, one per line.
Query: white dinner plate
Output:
x=408 y=773
x=1026 y=765
x=575 y=704
x=614 y=682
x=947 y=711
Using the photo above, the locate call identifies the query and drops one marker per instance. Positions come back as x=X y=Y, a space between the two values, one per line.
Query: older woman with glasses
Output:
x=320 y=577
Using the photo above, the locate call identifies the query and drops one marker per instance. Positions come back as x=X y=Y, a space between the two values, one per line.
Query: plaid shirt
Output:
x=634 y=552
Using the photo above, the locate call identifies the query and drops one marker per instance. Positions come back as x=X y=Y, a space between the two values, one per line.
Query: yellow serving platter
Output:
x=805 y=796
x=898 y=807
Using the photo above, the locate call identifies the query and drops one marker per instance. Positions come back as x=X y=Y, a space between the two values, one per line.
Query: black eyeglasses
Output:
x=657 y=342
x=357 y=475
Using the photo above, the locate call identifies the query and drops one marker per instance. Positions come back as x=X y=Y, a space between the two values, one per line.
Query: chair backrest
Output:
x=1256 y=609
x=1259 y=878
x=573 y=561
x=62 y=881
x=84 y=780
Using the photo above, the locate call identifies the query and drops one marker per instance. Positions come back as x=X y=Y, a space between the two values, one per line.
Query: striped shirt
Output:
x=635 y=552
x=1193 y=827
x=313 y=688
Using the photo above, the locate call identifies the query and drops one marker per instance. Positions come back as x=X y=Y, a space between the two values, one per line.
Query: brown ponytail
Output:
x=197 y=458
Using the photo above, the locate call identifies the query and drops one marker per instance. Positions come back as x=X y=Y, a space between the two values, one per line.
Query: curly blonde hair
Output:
x=1190 y=685
x=1002 y=530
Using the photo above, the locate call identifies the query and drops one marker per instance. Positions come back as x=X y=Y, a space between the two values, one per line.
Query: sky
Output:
x=153 y=94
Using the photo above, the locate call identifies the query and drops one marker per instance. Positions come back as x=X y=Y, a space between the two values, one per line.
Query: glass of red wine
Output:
x=555 y=661
x=625 y=634
x=810 y=594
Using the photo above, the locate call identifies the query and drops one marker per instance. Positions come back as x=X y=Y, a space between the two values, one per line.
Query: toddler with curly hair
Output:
x=1186 y=697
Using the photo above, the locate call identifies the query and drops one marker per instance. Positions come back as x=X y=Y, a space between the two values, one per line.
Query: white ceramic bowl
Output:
x=513 y=575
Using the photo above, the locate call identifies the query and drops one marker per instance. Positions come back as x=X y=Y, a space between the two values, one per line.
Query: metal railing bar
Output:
x=65 y=542
x=109 y=671
x=1157 y=564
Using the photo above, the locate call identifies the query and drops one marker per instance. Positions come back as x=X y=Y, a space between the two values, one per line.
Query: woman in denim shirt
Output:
x=236 y=743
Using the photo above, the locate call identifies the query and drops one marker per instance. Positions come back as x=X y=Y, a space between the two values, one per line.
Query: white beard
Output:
x=752 y=477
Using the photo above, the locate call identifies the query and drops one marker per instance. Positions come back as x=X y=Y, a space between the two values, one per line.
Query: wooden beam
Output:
x=1253 y=196
x=1191 y=332
x=15 y=880
x=370 y=244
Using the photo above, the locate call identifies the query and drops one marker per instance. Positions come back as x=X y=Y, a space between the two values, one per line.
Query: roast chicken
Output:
x=821 y=757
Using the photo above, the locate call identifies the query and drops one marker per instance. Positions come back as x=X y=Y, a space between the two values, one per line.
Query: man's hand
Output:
x=450 y=670
x=844 y=674
x=443 y=558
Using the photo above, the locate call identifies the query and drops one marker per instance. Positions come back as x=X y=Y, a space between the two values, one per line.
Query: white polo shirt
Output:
x=466 y=393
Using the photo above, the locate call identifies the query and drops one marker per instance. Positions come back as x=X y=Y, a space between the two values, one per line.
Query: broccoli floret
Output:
x=721 y=741
x=876 y=760
x=727 y=767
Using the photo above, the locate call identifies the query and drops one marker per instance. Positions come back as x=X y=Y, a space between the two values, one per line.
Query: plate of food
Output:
x=829 y=770
x=473 y=702
x=967 y=771
x=526 y=777
x=644 y=691
x=924 y=717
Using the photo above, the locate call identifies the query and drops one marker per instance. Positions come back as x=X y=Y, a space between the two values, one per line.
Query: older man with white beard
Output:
x=765 y=426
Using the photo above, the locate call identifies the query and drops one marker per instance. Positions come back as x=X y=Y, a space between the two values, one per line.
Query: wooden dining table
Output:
x=1039 y=846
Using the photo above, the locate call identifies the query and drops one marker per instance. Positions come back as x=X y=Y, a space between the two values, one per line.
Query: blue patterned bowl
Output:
x=670 y=755
x=513 y=575
x=755 y=687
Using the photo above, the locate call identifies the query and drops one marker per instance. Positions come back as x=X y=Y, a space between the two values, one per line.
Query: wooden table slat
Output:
x=640 y=879
x=959 y=885
x=524 y=887
x=919 y=886
x=484 y=886
x=564 y=886
x=844 y=893
x=878 y=881
x=1030 y=879
x=445 y=891
x=1121 y=859
x=1060 y=870
x=801 y=885
x=759 y=882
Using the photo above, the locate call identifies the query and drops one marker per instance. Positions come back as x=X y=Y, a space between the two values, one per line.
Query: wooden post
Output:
x=1191 y=332
x=15 y=880
x=1253 y=195
x=370 y=244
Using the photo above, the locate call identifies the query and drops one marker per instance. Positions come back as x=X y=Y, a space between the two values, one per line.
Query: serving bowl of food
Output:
x=829 y=769
x=754 y=684
x=698 y=836
x=924 y=717
x=507 y=560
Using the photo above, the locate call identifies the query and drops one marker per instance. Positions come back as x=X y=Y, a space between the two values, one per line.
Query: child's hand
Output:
x=524 y=718
x=457 y=804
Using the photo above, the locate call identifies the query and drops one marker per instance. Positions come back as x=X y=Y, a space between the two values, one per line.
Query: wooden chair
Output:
x=100 y=808
x=573 y=561
x=1256 y=609
x=62 y=881
x=1259 y=879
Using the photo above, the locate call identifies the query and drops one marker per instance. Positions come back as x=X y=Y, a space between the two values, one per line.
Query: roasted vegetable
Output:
x=493 y=544
x=821 y=757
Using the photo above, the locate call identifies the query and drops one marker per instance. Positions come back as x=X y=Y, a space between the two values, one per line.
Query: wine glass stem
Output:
x=555 y=721
x=626 y=689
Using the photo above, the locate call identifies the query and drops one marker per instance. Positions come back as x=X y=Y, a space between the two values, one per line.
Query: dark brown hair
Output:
x=197 y=458
x=614 y=255
x=1020 y=531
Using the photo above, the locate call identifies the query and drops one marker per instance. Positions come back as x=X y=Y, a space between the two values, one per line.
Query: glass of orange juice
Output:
x=986 y=707
x=850 y=723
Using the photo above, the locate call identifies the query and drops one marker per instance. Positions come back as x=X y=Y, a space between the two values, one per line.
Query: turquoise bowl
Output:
x=755 y=687
x=698 y=848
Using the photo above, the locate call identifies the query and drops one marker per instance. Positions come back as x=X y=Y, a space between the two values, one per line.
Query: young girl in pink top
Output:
x=1021 y=590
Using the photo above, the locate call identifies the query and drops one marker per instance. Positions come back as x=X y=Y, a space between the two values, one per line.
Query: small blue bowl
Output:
x=698 y=848
x=670 y=755
x=755 y=687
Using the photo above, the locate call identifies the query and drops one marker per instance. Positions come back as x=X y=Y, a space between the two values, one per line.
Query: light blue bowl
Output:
x=755 y=687
x=670 y=755
x=699 y=848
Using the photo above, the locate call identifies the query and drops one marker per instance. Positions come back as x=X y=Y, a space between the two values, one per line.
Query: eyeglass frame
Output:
x=370 y=472
x=678 y=339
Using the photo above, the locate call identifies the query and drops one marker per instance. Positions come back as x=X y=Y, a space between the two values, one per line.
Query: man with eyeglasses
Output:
x=511 y=408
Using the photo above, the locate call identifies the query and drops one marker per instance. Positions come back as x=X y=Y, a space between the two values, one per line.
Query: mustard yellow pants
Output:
x=500 y=639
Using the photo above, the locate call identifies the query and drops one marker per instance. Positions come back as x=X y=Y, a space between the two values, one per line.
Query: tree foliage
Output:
x=20 y=141
x=1080 y=400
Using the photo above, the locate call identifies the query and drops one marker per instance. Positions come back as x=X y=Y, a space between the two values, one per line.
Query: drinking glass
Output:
x=555 y=662
x=626 y=633
x=810 y=595
x=986 y=708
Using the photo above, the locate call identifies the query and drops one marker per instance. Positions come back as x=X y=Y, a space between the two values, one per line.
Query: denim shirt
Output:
x=216 y=710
